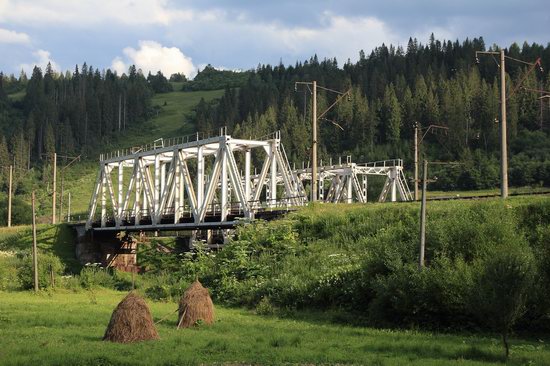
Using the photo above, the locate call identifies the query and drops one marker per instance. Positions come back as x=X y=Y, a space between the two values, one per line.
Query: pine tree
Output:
x=392 y=115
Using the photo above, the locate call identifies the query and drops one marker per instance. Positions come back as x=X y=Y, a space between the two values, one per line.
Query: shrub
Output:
x=158 y=292
x=265 y=307
x=9 y=264
x=502 y=288
x=21 y=213
x=94 y=276
x=47 y=264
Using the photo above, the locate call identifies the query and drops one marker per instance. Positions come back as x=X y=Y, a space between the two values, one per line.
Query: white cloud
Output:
x=338 y=36
x=151 y=57
x=42 y=57
x=13 y=37
x=91 y=12
x=332 y=36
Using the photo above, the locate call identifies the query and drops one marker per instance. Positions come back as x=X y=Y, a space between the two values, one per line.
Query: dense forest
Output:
x=391 y=90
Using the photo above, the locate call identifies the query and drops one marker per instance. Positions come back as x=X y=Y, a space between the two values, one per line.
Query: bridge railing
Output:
x=385 y=163
x=162 y=143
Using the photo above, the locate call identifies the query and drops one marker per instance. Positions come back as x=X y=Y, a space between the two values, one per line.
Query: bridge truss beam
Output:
x=191 y=184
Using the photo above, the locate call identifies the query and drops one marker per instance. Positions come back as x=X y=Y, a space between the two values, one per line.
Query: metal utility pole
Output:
x=34 y=247
x=315 y=119
x=503 y=133
x=314 y=146
x=417 y=142
x=423 y=215
x=54 y=186
x=10 y=192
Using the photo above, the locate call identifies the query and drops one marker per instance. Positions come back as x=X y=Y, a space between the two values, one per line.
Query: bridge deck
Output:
x=166 y=223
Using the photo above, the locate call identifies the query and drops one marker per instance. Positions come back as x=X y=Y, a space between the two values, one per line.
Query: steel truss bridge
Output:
x=211 y=182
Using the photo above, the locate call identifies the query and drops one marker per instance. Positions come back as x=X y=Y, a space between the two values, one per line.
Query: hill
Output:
x=172 y=118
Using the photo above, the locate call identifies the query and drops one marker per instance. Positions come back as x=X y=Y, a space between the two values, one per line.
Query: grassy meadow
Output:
x=53 y=328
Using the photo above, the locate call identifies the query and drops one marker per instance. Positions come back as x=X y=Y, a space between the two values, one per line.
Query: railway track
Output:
x=485 y=196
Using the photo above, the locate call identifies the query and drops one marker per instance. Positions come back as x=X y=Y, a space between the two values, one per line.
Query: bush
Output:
x=435 y=297
x=9 y=264
x=265 y=307
x=21 y=213
x=47 y=264
x=95 y=276
x=502 y=288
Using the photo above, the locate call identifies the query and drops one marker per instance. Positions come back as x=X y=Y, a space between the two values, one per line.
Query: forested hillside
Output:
x=70 y=113
x=392 y=88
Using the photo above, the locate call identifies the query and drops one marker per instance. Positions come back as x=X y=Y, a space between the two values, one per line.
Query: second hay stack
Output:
x=195 y=305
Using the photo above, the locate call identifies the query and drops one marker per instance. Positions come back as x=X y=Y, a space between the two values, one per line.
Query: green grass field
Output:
x=63 y=328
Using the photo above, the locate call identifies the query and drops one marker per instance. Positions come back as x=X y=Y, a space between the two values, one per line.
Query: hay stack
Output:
x=195 y=305
x=131 y=321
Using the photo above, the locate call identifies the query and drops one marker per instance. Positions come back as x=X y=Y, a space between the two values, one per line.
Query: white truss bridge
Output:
x=211 y=182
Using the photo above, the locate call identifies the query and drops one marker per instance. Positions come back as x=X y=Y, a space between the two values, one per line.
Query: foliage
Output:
x=20 y=210
x=212 y=79
x=501 y=291
x=159 y=83
x=364 y=260
x=48 y=265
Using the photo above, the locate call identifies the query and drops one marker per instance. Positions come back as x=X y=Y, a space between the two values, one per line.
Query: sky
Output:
x=184 y=36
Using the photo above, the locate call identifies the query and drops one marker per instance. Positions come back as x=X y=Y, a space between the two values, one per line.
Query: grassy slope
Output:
x=17 y=96
x=171 y=122
x=54 y=239
x=73 y=336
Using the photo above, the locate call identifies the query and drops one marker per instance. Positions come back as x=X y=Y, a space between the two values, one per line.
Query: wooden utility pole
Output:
x=61 y=201
x=34 y=247
x=69 y=209
x=119 y=111
x=54 y=193
x=423 y=215
x=503 y=140
x=10 y=192
x=314 y=146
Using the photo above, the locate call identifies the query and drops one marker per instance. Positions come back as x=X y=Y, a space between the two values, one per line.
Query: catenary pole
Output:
x=54 y=186
x=10 y=192
x=503 y=141
x=34 y=247
x=314 y=146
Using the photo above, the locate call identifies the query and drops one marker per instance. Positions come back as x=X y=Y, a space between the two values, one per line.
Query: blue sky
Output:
x=184 y=36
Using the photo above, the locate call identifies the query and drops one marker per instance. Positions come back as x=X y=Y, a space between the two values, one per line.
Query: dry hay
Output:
x=131 y=322
x=195 y=305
